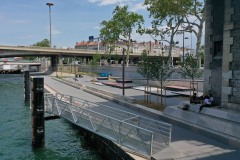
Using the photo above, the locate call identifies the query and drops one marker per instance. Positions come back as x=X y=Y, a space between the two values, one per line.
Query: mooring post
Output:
x=26 y=86
x=37 y=109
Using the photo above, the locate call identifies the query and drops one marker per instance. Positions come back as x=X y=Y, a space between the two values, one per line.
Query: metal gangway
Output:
x=133 y=132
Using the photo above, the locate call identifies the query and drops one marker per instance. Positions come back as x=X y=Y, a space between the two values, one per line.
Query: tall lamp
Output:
x=50 y=4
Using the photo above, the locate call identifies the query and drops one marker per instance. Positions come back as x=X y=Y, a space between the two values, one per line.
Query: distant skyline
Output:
x=25 y=22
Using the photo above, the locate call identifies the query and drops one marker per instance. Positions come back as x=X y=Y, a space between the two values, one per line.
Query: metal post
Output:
x=183 y=49
x=123 y=73
x=98 y=45
x=26 y=86
x=37 y=110
x=50 y=4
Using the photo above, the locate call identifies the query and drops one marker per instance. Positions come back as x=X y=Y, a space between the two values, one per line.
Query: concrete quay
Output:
x=188 y=141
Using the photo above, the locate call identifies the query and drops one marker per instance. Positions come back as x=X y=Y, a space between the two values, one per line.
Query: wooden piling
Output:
x=26 y=86
x=37 y=110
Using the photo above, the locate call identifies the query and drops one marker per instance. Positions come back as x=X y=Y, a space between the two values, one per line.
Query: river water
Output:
x=62 y=140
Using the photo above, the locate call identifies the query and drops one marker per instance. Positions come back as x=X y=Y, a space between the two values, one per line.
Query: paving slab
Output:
x=219 y=125
x=157 y=91
x=180 y=135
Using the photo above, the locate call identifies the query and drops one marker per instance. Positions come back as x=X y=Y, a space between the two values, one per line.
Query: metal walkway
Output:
x=134 y=132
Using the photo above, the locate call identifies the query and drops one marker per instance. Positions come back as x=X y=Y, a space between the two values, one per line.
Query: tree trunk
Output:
x=170 y=62
x=161 y=92
x=199 y=40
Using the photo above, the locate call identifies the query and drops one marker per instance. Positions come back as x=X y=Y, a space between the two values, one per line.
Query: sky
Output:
x=25 y=22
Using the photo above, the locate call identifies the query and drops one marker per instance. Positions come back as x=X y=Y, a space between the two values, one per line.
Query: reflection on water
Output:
x=62 y=140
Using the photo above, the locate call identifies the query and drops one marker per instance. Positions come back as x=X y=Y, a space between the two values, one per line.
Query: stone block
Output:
x=236 y=74
x=236 y=99
x=227 y=90
x=224 y=97
x=227 y=34
x=228 y=26
x=208 y=31
x=235 y=32
x=225 y=83
x=227 y=75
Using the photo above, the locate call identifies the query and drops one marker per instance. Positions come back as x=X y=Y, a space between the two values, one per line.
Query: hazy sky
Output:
x=25 y=22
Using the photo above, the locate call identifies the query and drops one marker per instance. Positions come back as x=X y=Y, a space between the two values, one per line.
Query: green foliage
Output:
x=109 y=33
x=154 y=67
x=121 y=25
x=160 y=71
x=202 y=54
x=43 y=43
x=168 y=13
x=190 y=69
x=94 y=62
x=126 y=20
x=144 y=65
x=171 y=9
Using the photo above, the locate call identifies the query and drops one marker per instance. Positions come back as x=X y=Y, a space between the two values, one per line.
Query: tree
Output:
x=197 y=10
x=202 y=54
x=144 y=69
x=190 y=69
x=154 y=68
x=160 y=71
x=94 y=62
x=121 y=26
x=43 y=43
x=109 y=34
x=169 y=13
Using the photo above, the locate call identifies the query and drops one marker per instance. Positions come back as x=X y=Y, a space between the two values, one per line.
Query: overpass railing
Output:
x=134 y=132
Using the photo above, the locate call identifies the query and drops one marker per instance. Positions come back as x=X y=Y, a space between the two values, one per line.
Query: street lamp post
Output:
x=123 y=73
x=50 y=4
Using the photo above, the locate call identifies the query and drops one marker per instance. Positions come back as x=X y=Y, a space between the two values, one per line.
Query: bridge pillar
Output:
x=60 y=61
x=37 y=110
x=54 y=62
x=26 y=86
x=38 y=68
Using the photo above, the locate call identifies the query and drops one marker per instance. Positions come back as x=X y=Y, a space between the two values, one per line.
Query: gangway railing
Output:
x=134 y=132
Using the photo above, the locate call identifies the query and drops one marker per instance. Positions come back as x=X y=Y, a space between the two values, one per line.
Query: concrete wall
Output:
x=222 y=50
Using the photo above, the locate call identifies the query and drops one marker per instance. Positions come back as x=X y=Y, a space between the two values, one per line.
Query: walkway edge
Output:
x=161 y=116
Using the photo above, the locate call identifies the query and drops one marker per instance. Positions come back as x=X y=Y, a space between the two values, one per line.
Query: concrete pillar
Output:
x=26 y=86
x=60 y=61
x=208 y=47
x=38 y=68
x=54 y=62
x=227 y=55
x=37 y=110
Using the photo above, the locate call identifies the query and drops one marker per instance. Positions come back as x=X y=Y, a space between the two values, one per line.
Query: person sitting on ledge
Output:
x=207 y=102
x=194 y=99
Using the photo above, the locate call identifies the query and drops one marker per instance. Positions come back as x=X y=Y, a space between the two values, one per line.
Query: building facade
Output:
x=222 y=52
x=137 y=48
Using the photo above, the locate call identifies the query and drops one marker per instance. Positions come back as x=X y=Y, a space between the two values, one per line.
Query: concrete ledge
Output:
x=117 y=96
x=99 y=91
x=213 y=112
x=70 y=83
x=211 y=126
x=222 y=127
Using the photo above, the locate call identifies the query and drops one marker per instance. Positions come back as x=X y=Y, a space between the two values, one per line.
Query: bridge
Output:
x=136 y=133
x=55 y=53
x=21 y=51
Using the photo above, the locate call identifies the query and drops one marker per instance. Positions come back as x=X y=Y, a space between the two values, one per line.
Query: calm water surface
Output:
x=62 y=140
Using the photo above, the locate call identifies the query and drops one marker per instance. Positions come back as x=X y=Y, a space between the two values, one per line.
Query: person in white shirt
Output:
x=207 y=102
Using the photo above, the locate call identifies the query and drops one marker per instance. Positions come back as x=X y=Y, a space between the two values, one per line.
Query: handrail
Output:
x=124 y=132
x=118 y=110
